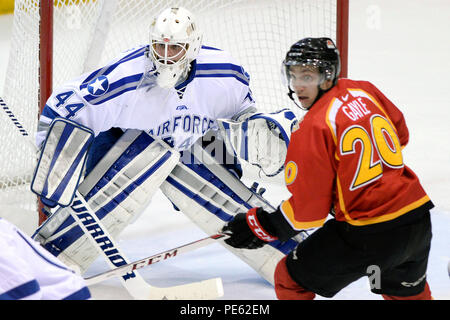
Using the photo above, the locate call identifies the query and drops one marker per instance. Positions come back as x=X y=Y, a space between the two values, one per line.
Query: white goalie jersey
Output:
x=124 y=94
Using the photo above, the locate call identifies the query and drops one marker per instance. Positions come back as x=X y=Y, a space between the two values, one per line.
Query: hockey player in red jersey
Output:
x=345 y=159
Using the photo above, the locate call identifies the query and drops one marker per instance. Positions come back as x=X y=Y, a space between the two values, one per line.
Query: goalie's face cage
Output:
x=165 y=53
x=171 y=62
x=174 y=43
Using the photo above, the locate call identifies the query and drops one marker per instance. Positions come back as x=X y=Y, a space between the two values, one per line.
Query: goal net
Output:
x=89 y=33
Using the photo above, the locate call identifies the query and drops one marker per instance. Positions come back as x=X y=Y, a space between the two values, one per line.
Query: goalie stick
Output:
x=133 y=282
x=171 y=253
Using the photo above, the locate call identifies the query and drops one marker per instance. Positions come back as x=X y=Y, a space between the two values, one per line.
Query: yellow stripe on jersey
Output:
x=333 y=107
x=288 y=212
x=330 y=119
x=378 y=219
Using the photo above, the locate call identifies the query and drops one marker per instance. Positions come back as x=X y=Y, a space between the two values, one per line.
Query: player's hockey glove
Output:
x=249 y=230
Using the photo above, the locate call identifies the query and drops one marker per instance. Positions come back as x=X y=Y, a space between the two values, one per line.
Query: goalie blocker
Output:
x=61 y=162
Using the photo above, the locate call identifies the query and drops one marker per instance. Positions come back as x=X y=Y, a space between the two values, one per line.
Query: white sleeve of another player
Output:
x=29 y=272
x=16 y=278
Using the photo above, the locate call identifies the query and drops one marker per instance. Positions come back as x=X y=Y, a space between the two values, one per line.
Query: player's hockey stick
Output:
x=142 y=263
x=133 y=282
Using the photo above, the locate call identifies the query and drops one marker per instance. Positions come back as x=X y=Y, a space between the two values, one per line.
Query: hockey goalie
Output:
x=173 y=115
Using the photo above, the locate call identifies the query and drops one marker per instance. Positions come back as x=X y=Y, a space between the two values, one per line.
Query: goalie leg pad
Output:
x=61 y=162
x=210 y=196
x=118 y=190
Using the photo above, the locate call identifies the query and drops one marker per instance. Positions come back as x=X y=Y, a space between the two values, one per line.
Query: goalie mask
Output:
x=315 y=54
x=174 y=43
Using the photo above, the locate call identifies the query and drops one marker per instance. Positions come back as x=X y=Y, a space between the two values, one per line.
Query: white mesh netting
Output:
x=88 y=33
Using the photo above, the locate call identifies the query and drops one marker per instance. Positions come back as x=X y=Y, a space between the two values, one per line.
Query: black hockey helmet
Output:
x=318 y=52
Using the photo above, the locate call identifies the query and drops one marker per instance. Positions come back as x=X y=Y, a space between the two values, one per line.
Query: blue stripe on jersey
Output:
x=116 y=89
x=82 y=294
x=211 y=48
x=116 y=94
x=49 y=113
x=220 y=70
x=108 y=69
x=220 y=66
x=22 y=291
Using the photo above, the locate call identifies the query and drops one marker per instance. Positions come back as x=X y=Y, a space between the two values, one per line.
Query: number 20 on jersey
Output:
x=383 y=140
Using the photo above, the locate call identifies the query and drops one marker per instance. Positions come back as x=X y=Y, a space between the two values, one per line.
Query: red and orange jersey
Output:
x=347 y=155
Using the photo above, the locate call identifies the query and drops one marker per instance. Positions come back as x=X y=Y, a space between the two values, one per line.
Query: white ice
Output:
x=403 y=48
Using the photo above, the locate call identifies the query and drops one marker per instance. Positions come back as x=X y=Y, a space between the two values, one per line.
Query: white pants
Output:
x=28 y=271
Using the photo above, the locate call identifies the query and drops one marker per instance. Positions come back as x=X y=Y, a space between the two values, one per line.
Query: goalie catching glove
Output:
x=261 y=139
x=257 y=227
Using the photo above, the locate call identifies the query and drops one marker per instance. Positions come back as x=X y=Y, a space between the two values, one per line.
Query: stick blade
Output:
x=203 y=290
